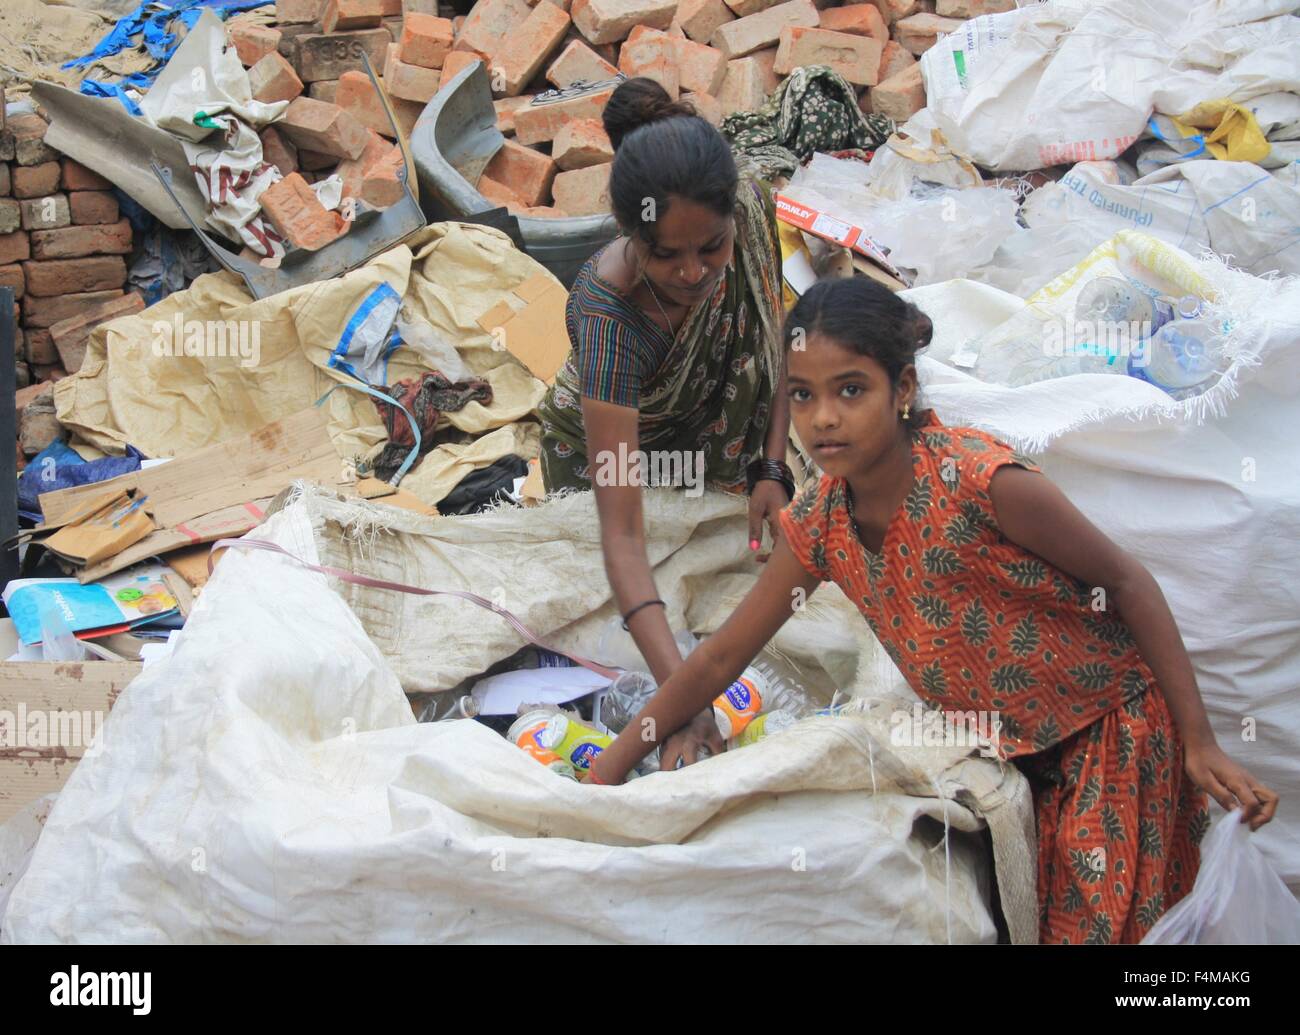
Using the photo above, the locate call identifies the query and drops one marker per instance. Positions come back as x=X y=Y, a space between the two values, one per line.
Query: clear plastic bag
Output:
x=58 y=642
x=1237 y=900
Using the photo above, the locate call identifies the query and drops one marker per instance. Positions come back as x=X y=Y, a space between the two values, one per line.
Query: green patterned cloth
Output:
x=815 y=109
x=712 y=394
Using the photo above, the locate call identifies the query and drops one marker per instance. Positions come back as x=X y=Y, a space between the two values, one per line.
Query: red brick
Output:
x=577 y=61
x=43 y=312
x=72 y=242
x=535 y=123
x=326 y=90
x=426 y=39
x=745 y=86
x=701 y=69
x=46 y=213
x=506 y=108
x=24 y=397
x=499 y=194
x=455 y=61
x=276 y=151
x=901 y=96
x=325 y=128
x=14 y=246
x=411 y=82
x=290 y=11
x=893 y=59
x=68 y=276
x=47 y=372
x=856 y=58
x=383 y=185
x=583 y=192
x=70 y=336
x=36 y=181
x=746 y=35
x=77 y=177
x=962 y=9
x=353 y=170
x=93 y=207
x=580 y=143
x=527 y=49
x=919 y=32
x=12 y=277
x=40 y=347
x=273 y=79
x=652 y=56
x=489 y=24
x=523 y=171
x=892 y=10
x=706 y=107
x=328 y=57
x=744 y=8
x=700 y=19
x=608 y=21
x=295 y=211
x=857 y=20
x=253 y=42
x=344 y=15
x=359 y=98
x=28 y=132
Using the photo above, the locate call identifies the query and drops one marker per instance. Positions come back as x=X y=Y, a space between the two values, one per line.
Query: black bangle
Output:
x=764 y=469
x=638 y=608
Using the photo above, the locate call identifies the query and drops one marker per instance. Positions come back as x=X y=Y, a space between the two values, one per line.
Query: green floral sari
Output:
x=712 y=395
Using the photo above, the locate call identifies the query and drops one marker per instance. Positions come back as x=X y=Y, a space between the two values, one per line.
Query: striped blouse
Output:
x=616 y=347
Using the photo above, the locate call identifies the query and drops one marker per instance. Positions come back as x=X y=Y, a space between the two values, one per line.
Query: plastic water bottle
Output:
x=627 y=695
x=1112 y=317
x=1180 y=358
x=783 y=692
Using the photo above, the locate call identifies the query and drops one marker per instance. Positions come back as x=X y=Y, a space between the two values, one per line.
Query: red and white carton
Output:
x=832 y=229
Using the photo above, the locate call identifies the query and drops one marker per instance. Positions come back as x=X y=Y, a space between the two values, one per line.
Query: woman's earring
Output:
x=907 y=410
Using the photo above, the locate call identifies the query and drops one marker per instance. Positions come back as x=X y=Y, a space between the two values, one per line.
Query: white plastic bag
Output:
x=1238 y=898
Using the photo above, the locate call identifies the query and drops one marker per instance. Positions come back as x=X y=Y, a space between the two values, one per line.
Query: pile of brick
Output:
x=723 y=56
x=63 y=249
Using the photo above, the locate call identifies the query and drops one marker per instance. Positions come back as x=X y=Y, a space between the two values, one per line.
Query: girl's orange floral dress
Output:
x=974 y=621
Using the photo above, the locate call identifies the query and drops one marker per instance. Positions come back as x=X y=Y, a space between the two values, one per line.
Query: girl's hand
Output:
x=1230 y=784
x=696 y=740
x=767 y=501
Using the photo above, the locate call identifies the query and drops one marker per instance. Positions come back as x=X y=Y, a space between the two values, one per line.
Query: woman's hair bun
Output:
x=636 y=103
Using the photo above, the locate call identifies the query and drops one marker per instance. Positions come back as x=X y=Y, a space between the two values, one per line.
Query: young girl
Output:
x=980 y=579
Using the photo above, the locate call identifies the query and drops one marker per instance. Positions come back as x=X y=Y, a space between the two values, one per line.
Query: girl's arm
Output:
x=1034 y=513
x=713 y=665
x=622 y=536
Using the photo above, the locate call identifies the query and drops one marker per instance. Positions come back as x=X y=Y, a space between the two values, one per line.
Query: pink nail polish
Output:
x=754 y=544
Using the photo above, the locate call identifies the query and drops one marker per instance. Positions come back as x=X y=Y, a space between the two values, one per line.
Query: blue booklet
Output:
x=122 y=601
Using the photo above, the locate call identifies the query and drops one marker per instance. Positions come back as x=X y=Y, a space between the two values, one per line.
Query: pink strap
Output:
x=366 y=580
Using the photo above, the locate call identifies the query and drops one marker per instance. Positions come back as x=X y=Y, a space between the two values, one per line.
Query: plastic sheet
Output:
x=1238 y=898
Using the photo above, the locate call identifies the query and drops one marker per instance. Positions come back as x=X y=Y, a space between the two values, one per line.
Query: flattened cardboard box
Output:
x=530 y=323
x=49 y=712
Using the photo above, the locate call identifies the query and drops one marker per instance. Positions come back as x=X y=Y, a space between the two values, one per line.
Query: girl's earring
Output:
x=907 y=410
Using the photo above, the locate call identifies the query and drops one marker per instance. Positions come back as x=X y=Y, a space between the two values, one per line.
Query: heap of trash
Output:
x=276 y=288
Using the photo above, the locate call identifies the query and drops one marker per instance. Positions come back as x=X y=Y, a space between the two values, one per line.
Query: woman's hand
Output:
x=767 y=501
x=1230 y=784
x=697 y=740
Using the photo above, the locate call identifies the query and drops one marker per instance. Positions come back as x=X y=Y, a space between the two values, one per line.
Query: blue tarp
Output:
x=154 y=19
x=59 y=466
